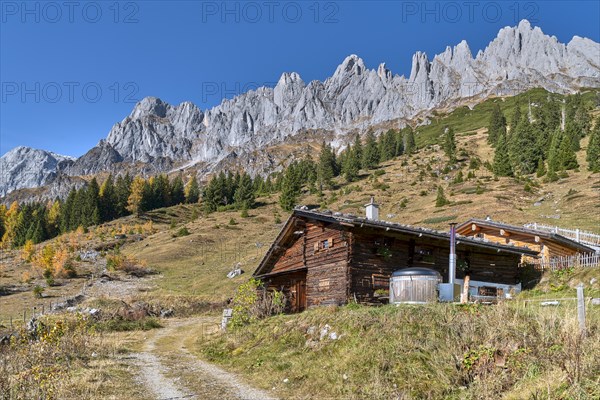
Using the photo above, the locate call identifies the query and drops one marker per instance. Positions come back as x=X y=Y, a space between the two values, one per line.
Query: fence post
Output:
x=581 y=308
x=577 y=235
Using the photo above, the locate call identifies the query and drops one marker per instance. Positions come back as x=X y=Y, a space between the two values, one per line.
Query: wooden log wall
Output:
x=327 y=264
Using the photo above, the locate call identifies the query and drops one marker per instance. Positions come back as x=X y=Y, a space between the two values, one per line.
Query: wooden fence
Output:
x=583 y=260
x=577 y=235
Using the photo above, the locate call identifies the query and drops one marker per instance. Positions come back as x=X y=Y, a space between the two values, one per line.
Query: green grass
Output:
x=429 y=351
x=437 y=220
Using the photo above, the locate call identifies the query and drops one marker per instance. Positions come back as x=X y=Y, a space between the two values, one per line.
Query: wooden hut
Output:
x=322 y=258
x=548 y=244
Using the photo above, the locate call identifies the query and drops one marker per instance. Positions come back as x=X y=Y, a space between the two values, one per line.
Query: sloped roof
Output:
x=354 y=222
x=550 y=236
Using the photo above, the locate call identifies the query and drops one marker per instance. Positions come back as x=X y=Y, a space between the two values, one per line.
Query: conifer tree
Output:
x=352 y=164
x=440 y=199
x=387 y=145
x=541 y=168
x=502 y=165
x=357 y=147
x=497 y=125
x=371 y=152
x=192 y=191
x=524 y=152
x=516 y=118
x=409 y=141
x=290 y=189
x=90 y=213
x=138 y=199
x=108 y=200
x=450 y=144
x=593 y=149
x=211 y=196
x=326 y=168
x=554 y=152
x=66 y=211
x=244 y=194
x=566 y=155
x=177 y=191
x=123 y=190
x=2 y=220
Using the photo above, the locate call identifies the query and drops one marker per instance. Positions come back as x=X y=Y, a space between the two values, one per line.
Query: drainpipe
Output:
x=452 y=260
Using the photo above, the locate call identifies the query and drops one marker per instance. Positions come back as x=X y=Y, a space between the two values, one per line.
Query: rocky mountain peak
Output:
x=352 y=65
x=149 y=106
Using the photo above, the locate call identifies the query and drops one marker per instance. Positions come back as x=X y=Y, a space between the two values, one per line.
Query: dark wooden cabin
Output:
x=322 y=258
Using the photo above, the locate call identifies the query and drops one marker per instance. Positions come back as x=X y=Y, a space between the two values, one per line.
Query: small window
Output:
x=325 y=244
x=424 y=254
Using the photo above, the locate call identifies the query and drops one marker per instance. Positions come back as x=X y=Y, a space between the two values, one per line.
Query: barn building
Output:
x=325 y=258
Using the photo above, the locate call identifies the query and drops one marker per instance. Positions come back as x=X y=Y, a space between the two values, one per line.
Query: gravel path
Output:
x=179 y=374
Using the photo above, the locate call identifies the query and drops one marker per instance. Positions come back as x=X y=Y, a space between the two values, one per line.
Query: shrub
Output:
x=183 y=231
x=252 y=302
x=38 y=291
x=232 y=221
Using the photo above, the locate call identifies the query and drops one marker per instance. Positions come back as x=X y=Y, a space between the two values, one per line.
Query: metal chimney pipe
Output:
x=452 y=258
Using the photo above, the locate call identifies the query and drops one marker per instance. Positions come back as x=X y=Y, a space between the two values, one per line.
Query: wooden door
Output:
x=301 y=295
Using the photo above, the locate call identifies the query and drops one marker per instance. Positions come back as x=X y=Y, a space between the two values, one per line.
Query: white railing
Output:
x=582 y=260
x=577 y=235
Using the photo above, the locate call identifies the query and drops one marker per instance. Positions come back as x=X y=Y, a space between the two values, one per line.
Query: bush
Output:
x=232 y=221
x=38 y=291
x=252 y=302
x=183 y=231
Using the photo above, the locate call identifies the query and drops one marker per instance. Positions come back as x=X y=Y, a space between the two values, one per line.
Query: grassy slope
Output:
x=434 y=351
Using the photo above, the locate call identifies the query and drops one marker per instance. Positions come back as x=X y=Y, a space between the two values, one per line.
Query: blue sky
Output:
x=69 y=72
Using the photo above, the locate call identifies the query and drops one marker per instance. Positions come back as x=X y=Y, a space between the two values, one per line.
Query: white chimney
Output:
x=372 y=210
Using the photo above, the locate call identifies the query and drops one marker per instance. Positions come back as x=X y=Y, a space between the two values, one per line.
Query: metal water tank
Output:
x=414 y=285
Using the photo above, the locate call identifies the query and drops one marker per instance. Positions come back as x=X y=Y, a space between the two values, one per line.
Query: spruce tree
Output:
x=351 y=164
x=409 y=141
x=244 y=194
x=2 y=220
x=177 y=191
x=290 y=189
x=326 y=168
x=566 y=156
x=160 y=189
x=523 y=150
x=497 y=125
x=108 y=200
x=593 y=149
x=554 y=151
x=192 y=191
x=66 y=211
x=357 y=147
x=210 y=196
x=450 y=144
x=440 y=199
x=370 y=158
x=90 y=214
x=502 y=165
x=541 y=168
x=387 y=146
x=516 y=117
x=123 y=190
